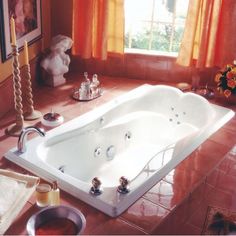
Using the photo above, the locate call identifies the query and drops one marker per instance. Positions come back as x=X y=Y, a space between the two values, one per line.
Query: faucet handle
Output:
x=124 y=185
x=96 y=188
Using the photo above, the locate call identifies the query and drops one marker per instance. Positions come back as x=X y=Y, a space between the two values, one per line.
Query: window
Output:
x=154 y=26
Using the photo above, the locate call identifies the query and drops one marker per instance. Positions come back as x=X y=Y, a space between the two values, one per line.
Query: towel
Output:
x=15 y=190
x=10 y=190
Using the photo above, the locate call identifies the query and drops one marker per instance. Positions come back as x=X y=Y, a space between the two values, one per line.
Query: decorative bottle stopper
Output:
x=86 y=76
x=95 y=80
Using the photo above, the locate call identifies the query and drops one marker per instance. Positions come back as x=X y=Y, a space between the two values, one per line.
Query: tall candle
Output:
x=13 y=31
x=26 y=54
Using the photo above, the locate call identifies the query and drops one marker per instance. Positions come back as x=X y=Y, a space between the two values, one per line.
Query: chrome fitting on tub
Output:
x=124 y=185
x=21 y=144
x=96 y=189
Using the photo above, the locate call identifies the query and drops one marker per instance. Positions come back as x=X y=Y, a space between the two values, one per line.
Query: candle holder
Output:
x=15 y=129
x=31 y=113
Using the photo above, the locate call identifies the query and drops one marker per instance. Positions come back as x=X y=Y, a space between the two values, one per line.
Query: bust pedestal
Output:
x=53 y=80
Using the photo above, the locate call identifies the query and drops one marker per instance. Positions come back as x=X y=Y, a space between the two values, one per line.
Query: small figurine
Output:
x=56 y=64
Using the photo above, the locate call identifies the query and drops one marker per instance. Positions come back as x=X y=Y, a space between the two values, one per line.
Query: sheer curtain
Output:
x=98 y=28
x=210 y=32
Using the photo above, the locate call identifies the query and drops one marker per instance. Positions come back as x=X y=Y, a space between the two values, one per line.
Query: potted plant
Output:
x=226 y=81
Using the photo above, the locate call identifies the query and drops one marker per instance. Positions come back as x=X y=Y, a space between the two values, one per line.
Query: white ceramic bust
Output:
x=56 y=64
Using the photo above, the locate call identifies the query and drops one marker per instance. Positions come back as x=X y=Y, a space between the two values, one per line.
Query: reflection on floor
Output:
x=218 y=191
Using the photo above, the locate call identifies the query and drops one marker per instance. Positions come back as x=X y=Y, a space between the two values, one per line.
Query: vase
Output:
x=232 y=100
x=227 y=101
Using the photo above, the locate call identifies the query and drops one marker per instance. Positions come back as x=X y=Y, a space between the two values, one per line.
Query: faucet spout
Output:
x=21 y=145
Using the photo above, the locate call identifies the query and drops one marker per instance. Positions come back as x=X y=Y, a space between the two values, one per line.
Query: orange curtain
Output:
x=209 y=36
x=98 y=28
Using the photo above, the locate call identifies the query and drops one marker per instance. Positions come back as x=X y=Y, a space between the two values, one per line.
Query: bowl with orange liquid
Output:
x=56 y=220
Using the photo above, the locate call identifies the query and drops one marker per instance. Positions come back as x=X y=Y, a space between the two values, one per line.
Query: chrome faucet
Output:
x=21 y=145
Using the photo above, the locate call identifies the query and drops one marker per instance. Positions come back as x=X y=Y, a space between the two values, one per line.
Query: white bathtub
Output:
x=142 y=135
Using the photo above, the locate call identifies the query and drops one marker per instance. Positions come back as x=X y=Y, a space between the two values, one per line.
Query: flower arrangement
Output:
x=226 y=80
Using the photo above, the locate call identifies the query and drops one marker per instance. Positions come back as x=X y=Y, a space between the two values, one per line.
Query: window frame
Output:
x=152 y=21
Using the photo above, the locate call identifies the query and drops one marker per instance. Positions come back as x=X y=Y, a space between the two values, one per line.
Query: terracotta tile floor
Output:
x=150 y=213
x=219 y=191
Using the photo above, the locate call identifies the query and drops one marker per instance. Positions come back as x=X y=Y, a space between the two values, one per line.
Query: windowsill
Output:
x=150 y=52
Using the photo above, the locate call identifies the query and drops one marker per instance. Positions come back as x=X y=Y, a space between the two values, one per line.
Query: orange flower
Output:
x=217 y=77
x=234 y=71
x=229 y=66
x=229 y=75
x=231 y=83
x=227 y=93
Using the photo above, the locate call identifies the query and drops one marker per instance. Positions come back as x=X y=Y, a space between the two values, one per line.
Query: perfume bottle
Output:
x=55 y=194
